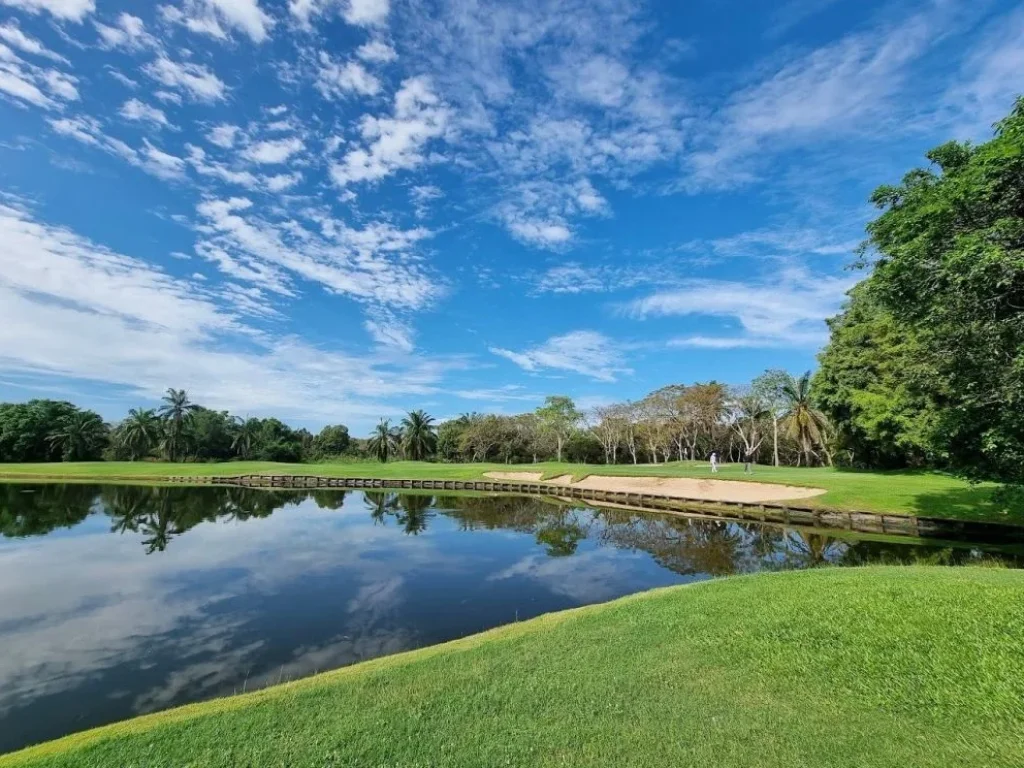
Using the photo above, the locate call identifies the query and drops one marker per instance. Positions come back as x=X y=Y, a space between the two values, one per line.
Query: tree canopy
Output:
x=926 y=363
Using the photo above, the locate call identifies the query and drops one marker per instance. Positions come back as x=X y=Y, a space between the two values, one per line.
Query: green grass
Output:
x=861 y=667
x=918 y=493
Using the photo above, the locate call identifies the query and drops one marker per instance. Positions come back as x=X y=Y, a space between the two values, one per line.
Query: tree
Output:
x=949 y=277
x=558 y=417
x=140 y=432
x=81 y=436
x=449 y=437
x=176 y=413
x=748 y=413
x=419 y=436
x=332 y=440
x=25 y=429
x=383 y=443
x=609 y=427
x=873 y=384
x=211 y=434
x=802 y=421
x=768 y=388
x=246 y=434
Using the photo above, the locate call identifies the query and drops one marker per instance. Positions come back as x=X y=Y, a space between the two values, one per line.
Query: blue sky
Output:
x=335 y=210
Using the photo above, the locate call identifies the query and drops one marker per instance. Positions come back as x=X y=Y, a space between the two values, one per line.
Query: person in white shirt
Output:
x=714 y=462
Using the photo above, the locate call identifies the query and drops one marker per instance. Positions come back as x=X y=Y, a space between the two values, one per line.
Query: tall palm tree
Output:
x=802 y=421
x=80 y=436
x=383 y=443
x=246 y=433
x=176 y=411
x=140 y=432
x=419 y=435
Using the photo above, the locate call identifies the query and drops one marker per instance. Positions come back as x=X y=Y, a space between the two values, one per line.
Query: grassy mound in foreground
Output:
x=860 y=667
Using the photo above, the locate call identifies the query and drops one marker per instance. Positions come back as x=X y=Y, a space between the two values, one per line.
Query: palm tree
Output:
x=419 y=436
x=80 y=436
x=802 y=421
x=140 y=432
x=245 y=436
x=176 y=411
x=383 y=443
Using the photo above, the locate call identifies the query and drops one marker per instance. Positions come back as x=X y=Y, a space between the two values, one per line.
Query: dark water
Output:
x=119 y=600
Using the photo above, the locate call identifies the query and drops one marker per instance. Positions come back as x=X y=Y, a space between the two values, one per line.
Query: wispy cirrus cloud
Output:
x=587 y=353
x=65 y=10
x=787 y=309
x=198 y=81
x=60 y=292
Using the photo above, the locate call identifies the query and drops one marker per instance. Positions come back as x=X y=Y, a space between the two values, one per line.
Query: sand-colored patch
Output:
x=520 y=477
x=705 y=489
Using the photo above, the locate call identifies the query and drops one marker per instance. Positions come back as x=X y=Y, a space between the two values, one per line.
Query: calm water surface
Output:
x=119 y=600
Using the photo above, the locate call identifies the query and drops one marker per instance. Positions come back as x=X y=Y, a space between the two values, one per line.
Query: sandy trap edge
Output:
x=683 y=487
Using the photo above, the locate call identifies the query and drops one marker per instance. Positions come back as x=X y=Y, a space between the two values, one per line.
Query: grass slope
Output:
x=920 y=493
x=860 y=667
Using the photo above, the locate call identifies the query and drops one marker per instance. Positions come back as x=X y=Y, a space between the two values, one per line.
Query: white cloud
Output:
x=63 y=297
x=70 y=10
x=389 y=332
x=133 y=109
x=160 y=163
x=990 y=79
x=274 y=151
x=538 y=212
x=397 y=142
x=376 y=265
x=282 y=181
x=129 y=32
x=846 y=87
x=11 y=33
x=356 y=12
x=200 y=83
x=336 y=79
x=149 y=158
x=422 y=195
x=206 y=17
x=168 y=97
x=122 y=78
x=574 y=277
x=17 y=83
x=60 y=84
x=787 y=309
x=204 y=167
x=548 y=233
x=223 y=135
x=377 y=52
x=587 y=353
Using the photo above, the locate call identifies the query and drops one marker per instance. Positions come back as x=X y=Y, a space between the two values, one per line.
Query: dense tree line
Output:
x=49 y=430
x=773 y=420
x=925 y=366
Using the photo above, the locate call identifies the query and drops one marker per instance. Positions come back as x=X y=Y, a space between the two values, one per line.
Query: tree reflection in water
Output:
x=686 y=545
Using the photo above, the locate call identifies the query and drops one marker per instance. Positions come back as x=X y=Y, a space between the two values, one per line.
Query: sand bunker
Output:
x=705 y=489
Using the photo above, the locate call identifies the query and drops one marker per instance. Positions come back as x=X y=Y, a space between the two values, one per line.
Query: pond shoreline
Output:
x=784 y=513
x=763 y=512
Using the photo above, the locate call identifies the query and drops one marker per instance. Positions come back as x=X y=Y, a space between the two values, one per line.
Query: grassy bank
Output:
x=919 y=493
x=859 y=667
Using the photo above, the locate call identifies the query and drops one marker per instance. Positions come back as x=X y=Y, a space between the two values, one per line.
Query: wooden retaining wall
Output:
x=786 y=514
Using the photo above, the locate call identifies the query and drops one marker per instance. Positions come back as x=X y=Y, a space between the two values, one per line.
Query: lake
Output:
x=118 y=600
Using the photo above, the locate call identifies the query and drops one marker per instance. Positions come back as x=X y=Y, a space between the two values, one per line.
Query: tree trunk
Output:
x=775 y=439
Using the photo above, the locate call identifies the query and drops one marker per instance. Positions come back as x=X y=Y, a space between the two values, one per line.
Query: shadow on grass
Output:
x=975 y=504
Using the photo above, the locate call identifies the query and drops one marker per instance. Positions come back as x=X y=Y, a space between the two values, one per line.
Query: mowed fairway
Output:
x=917 y=493
x=866 y=667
